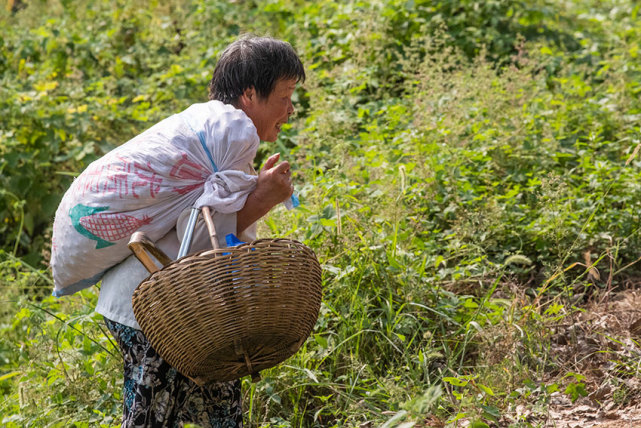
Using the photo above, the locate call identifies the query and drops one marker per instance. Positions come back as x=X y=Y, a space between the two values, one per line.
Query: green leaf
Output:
x=576 y=390
x=9 y=375
x=455 y=381
x=491 y=412
x=458 y=416
x=328 y=222
x=486 y=389
x=320 y=340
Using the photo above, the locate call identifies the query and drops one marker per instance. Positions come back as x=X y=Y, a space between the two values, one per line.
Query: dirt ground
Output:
x=601 y=343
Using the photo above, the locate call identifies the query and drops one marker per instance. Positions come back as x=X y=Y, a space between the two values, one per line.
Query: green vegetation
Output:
x=469 y=174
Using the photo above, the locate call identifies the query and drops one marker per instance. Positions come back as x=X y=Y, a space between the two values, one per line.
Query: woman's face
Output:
x=269 y=114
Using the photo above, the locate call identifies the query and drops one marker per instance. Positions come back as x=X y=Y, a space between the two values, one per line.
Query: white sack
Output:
x=145 y=184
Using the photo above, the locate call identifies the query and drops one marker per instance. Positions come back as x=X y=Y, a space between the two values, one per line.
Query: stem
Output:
x=68 y=324
x=15 y=246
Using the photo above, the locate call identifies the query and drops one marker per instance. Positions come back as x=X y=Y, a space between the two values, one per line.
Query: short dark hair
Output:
x=257 y=62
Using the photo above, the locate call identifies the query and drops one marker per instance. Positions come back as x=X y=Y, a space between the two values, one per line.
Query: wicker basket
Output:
x=222 y=314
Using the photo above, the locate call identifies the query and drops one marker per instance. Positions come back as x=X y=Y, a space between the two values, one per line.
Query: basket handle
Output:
x=139 y=244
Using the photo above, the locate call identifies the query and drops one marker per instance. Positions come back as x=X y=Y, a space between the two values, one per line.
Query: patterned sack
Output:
x=191 y=158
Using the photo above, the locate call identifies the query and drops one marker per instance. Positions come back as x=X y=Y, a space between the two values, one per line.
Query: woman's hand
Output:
x=274 y=185
x=274 y=182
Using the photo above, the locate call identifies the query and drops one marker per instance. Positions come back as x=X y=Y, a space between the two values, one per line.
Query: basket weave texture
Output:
x=219 y=315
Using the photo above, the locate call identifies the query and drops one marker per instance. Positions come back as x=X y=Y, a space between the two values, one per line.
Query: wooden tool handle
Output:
x=213 y=235
x=140 y=245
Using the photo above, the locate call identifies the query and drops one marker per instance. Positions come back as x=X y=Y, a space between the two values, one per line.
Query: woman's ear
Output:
x=247 y=98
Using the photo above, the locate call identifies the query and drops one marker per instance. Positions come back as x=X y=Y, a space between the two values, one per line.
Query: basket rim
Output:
x=224 y=252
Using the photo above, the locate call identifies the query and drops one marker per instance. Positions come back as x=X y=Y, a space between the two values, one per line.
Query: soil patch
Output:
x=601 y=345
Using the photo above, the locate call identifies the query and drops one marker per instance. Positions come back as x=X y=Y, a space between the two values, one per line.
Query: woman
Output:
x=250 y=99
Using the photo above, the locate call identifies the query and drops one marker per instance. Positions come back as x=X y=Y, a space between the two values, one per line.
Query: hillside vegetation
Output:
x=469 y=178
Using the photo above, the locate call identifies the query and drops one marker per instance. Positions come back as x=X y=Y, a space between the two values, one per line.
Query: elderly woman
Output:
x=250 y=99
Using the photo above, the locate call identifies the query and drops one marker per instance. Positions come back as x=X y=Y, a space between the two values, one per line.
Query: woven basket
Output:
x=222 y=314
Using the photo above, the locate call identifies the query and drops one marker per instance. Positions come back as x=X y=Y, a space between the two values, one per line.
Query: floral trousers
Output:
x=156 y=395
